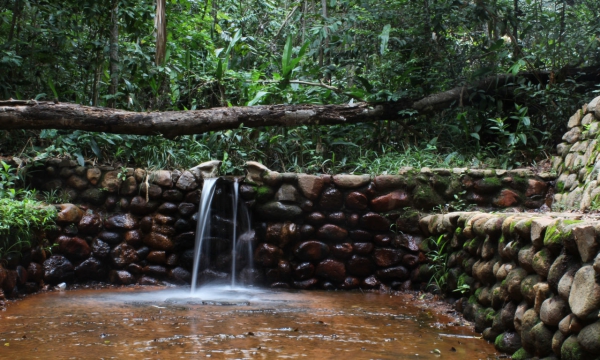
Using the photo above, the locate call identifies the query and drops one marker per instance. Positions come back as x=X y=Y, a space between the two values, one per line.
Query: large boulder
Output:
x=58 y=269
x=311 y=250
x=276 y=210
x=387 y=257
x=158 y=241
x=69 y=213
x=311 y=185
x=553 y=310
x=121 y=222
x=375 y=222
x=73 y=247
x=123 y=255
x=394 y=200
x=267 y=255
x=351 y=181
x=508 y=342
x=584 y=297
x=571 y=349
x=589 y=338
x=331 y=199
x=330 y=232
x=331 y=269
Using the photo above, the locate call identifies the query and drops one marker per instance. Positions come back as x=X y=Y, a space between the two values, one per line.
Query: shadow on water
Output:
x=227 y=322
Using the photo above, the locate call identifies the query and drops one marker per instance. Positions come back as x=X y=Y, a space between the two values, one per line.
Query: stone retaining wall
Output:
x=529 y=281
x=350 y=231
x=577 y=163
x=343 y=231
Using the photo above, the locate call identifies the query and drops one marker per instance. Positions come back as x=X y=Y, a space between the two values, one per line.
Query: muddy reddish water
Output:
x=227 y=324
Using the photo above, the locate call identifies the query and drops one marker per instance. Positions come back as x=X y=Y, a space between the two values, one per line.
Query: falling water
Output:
x=247 y=230
x=236 y=187
x=240 y=234
x=203 y=225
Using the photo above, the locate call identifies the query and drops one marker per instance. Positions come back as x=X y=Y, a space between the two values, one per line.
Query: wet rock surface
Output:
x=311 y=250
x=58 y=269
x=331 y=269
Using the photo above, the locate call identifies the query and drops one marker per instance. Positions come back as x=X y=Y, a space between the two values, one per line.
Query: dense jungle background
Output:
x=186 y=54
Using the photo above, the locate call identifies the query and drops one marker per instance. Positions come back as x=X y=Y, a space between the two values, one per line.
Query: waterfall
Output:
x=203 y=225
x=224 y=227
x=236 y=187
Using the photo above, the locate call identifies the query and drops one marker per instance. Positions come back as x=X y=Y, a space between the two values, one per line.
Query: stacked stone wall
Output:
x=577 y=163
x=351 y=231
x=528 y=280
x=126 y=225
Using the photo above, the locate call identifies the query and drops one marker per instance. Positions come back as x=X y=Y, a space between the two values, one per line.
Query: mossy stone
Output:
x=559 y=235
x=572 y=350
x=440 y=183
x=484 y=318
x=454 y=188
x=521 y=354
x=465 y=279
x=530 y=320
x=542 y=261
x=519 y=183
x=542 y=337
x=425 y=197
x=264 y=194
x=492 y=181
x=527 y=288
x=508 y=342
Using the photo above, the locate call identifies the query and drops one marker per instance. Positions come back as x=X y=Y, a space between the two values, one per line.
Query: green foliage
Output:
x=55 y=196
x=438 y=260
x=463 y=289
x=264 y=52
x=21 y=216
x=458 y=204
x=19 y=221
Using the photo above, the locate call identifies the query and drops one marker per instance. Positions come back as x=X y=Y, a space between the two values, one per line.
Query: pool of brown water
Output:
x=233 y=324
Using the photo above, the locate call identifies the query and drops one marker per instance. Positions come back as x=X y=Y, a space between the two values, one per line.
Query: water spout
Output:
x=203 y=225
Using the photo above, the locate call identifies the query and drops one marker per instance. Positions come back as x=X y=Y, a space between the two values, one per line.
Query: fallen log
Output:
x=18 y=114
x=31 y=114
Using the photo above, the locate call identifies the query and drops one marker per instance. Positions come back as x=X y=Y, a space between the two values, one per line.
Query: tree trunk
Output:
x=160 y=23
x=17 y=114
x=15 y=18
x=325 y=45
x=114 y=53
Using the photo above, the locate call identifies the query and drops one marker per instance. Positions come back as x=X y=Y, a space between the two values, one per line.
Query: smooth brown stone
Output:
x=360 y=266
x=387 y=257
x=332 y=232
x=331 y=269
x=357 y=201
x=375 y=222
x=311 y=250
x=394 y=200
x=331 y=199
x=363 y=248
x=342 y=251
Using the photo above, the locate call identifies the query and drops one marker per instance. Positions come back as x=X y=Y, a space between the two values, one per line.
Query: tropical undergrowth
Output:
x=381 y=147
x=438 y=264
x=248 y=53
x=23 y=219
